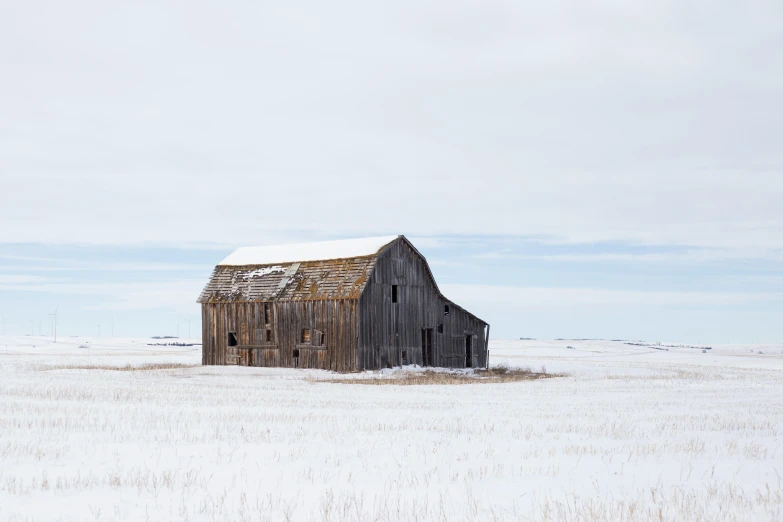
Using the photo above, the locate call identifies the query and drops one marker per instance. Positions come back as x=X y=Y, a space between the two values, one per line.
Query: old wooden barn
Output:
x=340 y=305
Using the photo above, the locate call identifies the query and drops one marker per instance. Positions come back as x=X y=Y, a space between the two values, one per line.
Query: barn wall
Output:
x=336 y=318
x=389 y=332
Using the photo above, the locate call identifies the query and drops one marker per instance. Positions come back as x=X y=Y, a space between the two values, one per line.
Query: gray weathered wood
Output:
x=350 y=301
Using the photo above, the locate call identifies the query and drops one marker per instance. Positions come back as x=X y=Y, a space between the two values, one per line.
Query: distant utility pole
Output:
x=40 y=323
x=188 y=320
x=99 y=329
x=54 y=316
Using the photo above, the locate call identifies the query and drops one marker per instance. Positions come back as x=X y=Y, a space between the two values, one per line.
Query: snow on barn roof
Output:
x=303 y=252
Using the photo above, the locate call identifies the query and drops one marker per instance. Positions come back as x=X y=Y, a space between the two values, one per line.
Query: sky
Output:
x=570 y=169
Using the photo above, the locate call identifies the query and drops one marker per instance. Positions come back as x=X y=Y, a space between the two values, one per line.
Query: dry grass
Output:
x=266 y=444
x=496 y=374
x=122 y=368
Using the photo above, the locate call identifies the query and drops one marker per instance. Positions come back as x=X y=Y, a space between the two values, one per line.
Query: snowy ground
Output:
x=633 y=433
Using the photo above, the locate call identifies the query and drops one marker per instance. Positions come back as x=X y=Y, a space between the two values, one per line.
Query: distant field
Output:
x=99 y=429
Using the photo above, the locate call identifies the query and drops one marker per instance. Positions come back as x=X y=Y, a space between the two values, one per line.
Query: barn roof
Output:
x=299 y=252
x=305 y=271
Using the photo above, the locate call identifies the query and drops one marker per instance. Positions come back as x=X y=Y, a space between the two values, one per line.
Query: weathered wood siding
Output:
x=337 y=319
x=389 y=332
x=350 y=301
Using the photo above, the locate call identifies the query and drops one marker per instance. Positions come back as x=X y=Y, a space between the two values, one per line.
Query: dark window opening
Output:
x=440 y=328
x=305 y=336
x=268 y=336
x=266 y=313
x=296 y=352
x=232 y=339
x=446 y=310
x=394 y=293
x=405 y=357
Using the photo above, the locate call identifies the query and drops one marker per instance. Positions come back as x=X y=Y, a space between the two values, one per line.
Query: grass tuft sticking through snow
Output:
x=629 y=436
x=120 y=368
x=494 y=375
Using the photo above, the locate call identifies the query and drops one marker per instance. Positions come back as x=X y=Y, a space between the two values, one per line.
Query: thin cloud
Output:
x=537 y=297
x=174 y=295
x=20 y=279
x=466 y=120
x=66 y=265
x=687 y=257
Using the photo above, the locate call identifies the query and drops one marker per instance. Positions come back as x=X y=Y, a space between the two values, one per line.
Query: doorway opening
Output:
x=426 y=347
x=468 y=351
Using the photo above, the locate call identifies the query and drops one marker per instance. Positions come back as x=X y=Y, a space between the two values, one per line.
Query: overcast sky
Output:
x=571 y=168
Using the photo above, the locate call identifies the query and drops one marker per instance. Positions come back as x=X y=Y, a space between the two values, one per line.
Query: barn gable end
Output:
x=404 y=318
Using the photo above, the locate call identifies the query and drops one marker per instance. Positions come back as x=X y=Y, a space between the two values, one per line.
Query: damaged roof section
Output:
x=306 y=271
x=312 y=280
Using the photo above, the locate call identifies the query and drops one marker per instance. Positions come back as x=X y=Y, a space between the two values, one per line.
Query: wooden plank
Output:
x=289 y=273
x=364 y=331
x=387 y=329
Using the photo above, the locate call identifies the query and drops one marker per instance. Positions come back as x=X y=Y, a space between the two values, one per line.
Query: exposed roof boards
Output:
x=311 y=280
x=312 y=271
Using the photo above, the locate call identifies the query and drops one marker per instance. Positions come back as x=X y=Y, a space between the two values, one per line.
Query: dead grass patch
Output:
x=496 y=374
x=123 y=368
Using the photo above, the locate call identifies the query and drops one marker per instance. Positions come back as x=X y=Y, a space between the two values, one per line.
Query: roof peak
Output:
x=303 y=252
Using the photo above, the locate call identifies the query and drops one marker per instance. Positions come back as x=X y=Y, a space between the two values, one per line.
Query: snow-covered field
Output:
x=633 y=433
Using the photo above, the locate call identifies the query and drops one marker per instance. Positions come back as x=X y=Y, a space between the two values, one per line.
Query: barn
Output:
x=338 y=305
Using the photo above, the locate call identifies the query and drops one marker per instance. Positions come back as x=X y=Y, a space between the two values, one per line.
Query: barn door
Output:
x=468 y=351
x=426 y=346
x=232 y=354
x=396 y=325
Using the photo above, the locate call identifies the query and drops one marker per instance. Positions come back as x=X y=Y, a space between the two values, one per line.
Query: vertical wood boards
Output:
x=387 y=329
x=338 y=319
x=366 y=331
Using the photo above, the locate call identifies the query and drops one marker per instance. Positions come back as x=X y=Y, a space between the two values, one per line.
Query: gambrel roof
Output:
x=306 y=271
